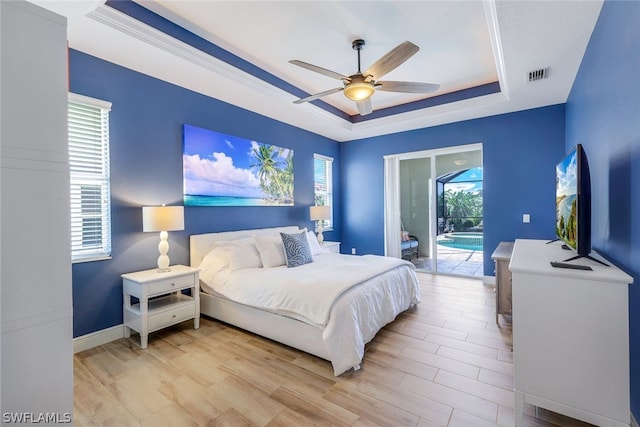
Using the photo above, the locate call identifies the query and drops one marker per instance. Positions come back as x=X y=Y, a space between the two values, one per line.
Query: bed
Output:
x=312 y=307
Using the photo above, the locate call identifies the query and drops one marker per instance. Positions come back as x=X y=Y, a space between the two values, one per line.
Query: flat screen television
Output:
x=573 y=203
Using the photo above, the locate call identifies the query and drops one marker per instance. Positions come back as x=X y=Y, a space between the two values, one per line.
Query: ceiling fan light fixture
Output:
x=359 y=91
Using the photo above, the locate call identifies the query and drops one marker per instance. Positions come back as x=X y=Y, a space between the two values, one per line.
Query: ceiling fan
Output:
x=360 y=86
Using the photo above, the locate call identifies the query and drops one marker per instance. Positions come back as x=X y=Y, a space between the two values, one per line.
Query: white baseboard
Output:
x=489 y=280
x=97 y=338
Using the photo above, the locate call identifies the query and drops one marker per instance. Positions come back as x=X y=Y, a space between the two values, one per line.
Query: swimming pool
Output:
x=467 y=241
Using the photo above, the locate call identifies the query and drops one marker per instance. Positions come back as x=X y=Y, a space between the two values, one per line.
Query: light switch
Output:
x=526 y=218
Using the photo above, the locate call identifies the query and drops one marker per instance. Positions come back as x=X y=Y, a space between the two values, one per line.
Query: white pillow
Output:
x=314 y=244
x=271 y=251
x=215 y=261
x=242 y=253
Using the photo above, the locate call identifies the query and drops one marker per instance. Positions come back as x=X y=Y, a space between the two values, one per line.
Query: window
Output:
x=89 y=170
x=323 y=184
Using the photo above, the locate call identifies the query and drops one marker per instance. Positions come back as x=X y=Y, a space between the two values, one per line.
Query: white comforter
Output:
x=316 y=293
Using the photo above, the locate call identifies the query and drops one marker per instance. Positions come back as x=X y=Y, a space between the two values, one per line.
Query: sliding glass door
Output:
x=433 y=209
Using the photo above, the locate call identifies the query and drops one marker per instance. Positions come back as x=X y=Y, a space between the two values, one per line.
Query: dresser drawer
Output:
x=172 y=316
x=171 y=284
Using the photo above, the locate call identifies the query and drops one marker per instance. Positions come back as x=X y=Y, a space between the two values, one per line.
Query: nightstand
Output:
x=162 y=302
x=331 y=246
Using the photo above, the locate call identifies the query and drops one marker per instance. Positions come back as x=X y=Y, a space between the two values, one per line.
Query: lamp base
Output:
x=320 y=229
x=163 y=248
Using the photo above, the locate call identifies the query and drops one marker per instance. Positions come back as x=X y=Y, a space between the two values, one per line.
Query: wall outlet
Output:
x=526 y=218
x=353 y=251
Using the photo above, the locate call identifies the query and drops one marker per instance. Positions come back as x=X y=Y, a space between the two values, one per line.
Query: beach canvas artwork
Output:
x=225 y=170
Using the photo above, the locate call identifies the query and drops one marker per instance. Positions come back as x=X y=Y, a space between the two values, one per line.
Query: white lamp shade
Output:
x=319 y=213
x=162 y=218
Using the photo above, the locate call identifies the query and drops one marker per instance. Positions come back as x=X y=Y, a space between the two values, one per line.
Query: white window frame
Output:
x=88 y=136
x=324 y=196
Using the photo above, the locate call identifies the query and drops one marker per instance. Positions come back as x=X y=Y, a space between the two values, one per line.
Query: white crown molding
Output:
x=491 y=15
x=134 y=28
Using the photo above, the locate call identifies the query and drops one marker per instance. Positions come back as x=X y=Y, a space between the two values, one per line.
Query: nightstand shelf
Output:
x=161 y=301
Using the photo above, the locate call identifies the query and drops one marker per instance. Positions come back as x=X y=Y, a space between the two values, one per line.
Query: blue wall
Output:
x=146 y=169
x=603 y=112
x=520 y=151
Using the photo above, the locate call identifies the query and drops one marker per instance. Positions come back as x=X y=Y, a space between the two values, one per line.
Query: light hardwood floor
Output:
x=444 y=363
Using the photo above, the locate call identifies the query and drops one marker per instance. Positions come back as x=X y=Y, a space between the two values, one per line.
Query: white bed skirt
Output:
x=285 y=330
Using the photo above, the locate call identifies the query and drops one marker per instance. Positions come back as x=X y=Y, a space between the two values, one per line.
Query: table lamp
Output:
x=163 y=219
x=319 y=214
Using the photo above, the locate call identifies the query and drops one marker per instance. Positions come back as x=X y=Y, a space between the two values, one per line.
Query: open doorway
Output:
x=434 y=199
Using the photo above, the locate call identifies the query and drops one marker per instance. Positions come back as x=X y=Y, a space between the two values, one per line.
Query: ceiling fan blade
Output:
x=408 y=87
x=317 y=69
x=364 y=107
x=318 y=95
x=392 y=59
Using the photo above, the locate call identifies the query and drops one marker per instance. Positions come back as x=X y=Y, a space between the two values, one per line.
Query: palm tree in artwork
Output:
x=276 y=176
x=285 y=180
x=266 y=163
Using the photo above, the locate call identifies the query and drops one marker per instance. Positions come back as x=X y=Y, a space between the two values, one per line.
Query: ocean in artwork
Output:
x=190 y=200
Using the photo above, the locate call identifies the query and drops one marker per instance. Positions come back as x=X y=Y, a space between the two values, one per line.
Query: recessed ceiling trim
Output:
x=433 y=101
x=528 y=33
x=150 y=27
x=131 y=26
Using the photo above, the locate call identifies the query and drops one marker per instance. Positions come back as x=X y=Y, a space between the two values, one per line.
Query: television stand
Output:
x=588 y=257
x=570 y=337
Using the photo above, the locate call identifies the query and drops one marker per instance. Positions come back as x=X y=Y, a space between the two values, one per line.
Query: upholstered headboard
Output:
x=200 y=244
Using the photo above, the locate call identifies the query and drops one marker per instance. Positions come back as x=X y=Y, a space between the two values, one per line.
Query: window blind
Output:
x=88 y=129
x=323 y=182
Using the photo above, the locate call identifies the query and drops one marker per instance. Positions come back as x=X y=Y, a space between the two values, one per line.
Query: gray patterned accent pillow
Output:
x=296 y=248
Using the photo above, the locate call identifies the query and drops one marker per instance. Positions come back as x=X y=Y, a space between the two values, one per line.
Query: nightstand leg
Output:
x=143 y=341
x=127 y=306
x=195 y=292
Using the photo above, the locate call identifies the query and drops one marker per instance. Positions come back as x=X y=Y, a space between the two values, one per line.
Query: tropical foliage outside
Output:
x=463 y=209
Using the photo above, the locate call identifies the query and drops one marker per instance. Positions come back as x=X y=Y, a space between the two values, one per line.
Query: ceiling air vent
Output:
x=536 y=75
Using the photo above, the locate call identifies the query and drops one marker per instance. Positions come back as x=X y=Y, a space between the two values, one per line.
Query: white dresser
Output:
x=570 y=336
